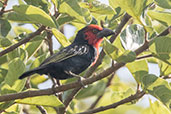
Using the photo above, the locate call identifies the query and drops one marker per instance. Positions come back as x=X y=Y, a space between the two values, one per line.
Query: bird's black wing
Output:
x=65 y=53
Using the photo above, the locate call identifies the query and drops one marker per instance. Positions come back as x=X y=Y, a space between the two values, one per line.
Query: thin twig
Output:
x=42 y=110
x=107 y=85
x=166 y=77
x=144 y=56
x=25 y=40
x=114 y=105
x=3 y=8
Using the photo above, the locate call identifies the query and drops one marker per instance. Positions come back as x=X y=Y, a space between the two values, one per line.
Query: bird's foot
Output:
x=80 y=79
x=54 y=81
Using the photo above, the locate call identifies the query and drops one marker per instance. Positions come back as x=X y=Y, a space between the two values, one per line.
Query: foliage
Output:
x=149 y=18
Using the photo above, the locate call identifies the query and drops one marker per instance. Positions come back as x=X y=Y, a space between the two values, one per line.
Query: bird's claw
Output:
x=80 y=79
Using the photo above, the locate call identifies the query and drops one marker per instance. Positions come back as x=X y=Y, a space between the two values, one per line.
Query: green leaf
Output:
x=156 y=108
x=98 y=7
x=5 y=105
x=43 y=4
x=110 y=49
x=160 y=16
x=6 y=27
x=22 y=30
x=1 y=4
x=132 y=37
x=3 y=59
x=147 y=80
x=33 y=47
x=165 y=69
x=92 y=90
x=18 y=17
x=74 y=10
x=127 y=56
x=64 y=18
x=158 y=87
x=3 y=73
x=34 y=14
x=60 y=37
x=38 y=61
x=161 y=48
x=132 y=7
x=5 y=42
x=13 y=54
x=164 y=3
x=14 y=109
x=41 y=100
x=16 y=68
x=138 y=69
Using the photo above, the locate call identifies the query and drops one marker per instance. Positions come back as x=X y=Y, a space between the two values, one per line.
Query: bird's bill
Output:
x=104 y=33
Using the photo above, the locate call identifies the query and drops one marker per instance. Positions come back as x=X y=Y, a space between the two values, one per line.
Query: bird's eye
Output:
x=95 y=31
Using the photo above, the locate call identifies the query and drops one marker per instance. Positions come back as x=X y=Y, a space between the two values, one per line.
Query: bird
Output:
x=70 y=61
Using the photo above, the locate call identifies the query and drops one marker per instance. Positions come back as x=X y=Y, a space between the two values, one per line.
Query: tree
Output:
x=142 y=36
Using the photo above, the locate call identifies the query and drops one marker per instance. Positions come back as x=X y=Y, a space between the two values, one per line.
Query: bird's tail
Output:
x=30 y=72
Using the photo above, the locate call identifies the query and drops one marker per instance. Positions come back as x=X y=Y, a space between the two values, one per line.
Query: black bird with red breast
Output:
x=75 y=58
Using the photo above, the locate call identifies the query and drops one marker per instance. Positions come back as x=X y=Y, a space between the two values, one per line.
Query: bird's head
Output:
x=93 y=35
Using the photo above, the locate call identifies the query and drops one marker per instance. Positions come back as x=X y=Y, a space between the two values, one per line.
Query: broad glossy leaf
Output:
x=19 y=30
x=43 y=4
x=33 y=47
x=98 y=7
x=16 y=68
x=17 y=17
x=138 y=69
x=51 y=100
x=158 y=87
x=165 y=69
x=164 y=3
x=127 y=56
x=14 y=109
x=64 y=18
x=74 y=10
x=5 y=42
x=132 y=37
x=34 y=14
x=3 y=73
x=38 y=61
x=156 y=108
x=3 y=59
x=161 y=48
x=19 y=52
x=132 y=7
x=160 y=16
x=92 y=90
x=110 y=49
x=5 y=27
x=13 y=54
x=60 y=37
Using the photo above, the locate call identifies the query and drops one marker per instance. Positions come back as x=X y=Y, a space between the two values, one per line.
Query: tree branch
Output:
x=33 y=93
x=114 y=105
x=42 y=110
x=90 y=80
x=25 y=40
x=3 y=8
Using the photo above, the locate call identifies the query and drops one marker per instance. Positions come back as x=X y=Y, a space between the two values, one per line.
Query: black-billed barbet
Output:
x=75 y=58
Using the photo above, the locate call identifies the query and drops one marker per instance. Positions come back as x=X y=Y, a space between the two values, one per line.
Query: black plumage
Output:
x=72 y=59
